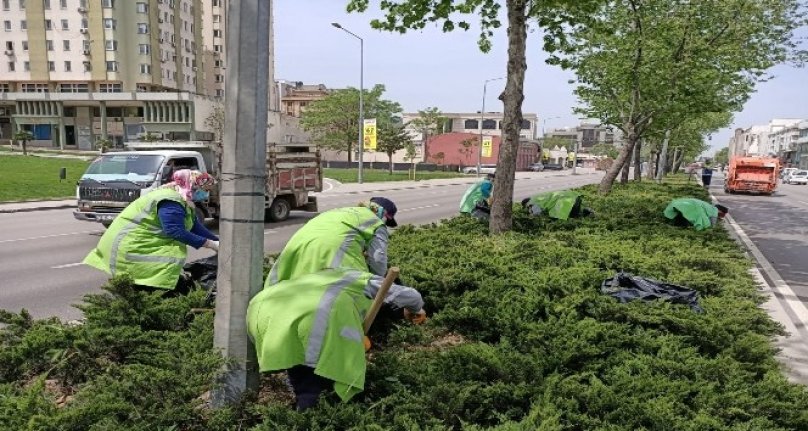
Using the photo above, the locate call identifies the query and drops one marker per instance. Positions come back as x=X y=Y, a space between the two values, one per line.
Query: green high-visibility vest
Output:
x=334 y=239
x=695 y=211
x=473 y=195
x=557 y=205
x=314 y=320
x=135 y=244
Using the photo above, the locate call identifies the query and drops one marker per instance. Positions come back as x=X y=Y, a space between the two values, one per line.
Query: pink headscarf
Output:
x=184 y=181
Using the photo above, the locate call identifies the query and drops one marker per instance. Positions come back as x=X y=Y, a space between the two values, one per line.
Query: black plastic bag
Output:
x=626 y=287
x=200 y=273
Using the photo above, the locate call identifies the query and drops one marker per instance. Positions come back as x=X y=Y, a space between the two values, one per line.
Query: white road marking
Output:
x=68 y=265
x=418 y=208
x=50 y=236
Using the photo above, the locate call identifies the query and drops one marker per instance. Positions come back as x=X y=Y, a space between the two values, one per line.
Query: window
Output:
x=217 y=48
x=26 y=66
x=109 y=24
x=22 y=4
x=51 y=66
x=216 y=3
x=142 y=8
x=85 y=45
x=107 y=4
x=83 y=3
x=73 y=88
x=142 y=28
x=65 y=25
x=219 y=78
x=48 y=25
x=65 y=45
x=525 y=125
x=34 y=88
x=217 y=63
x=49 y=45
x=25 y=45
x=87 y=66
x=145 y=69
x=23 y=25
x=112 y=66
x=217 y=18
x=84 y=23
x=142 y=88
x=68 y=66
x=63 y=4
x=220 y=93
x=144 y=49
x=217 y=33
x=11 y=66
x=111 y=45
x=6 y=5
x=10 y=46
x=109 y=88
x=7 y=25
x=471 y=124
x=489 y=124
x=46 y=4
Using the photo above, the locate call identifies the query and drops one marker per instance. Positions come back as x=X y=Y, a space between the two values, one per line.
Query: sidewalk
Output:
x=27 y=206
x=355 y=188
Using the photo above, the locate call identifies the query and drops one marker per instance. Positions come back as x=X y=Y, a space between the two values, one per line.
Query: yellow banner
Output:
x=488 y=144
x=571 y=156
x=369 y=134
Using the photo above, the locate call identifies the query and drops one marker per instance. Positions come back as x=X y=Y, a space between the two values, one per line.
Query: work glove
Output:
x=366 y=342
x=213 y=245
x=416 y=318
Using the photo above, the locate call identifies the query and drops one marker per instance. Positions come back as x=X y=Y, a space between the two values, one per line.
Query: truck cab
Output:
x=114 y=180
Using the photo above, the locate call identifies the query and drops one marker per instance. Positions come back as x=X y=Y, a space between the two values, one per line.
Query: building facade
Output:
x=76 y=71
x=586 y=135
x=295 y=97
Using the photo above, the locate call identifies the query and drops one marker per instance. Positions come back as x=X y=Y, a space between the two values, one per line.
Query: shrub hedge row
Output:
x=520 y=338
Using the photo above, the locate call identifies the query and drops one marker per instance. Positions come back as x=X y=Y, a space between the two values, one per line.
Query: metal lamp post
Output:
x=482 y=118
x=361 y=98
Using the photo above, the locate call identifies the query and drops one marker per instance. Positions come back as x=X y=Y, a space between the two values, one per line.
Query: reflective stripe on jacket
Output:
x=334 y=239
x=473 y=195
x=134 y=244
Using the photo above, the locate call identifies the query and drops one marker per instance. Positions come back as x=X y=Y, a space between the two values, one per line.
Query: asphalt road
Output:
x=40 y=252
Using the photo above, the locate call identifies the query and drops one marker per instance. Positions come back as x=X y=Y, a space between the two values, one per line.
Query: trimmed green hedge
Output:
x=520 y=338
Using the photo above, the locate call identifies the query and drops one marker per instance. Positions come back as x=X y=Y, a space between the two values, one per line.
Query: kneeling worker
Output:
x=148 y=239
x=312 y=327
x=475 y=199
x=558 y=205
x=694 y=212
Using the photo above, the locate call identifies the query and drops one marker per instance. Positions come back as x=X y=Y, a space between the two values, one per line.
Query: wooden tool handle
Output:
x=392 y=273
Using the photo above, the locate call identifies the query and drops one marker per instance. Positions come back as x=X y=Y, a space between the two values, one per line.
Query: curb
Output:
x=32 y=209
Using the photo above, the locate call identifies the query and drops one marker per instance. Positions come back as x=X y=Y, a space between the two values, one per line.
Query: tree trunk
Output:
x=390 y=156
x=24 y=147
x=677 y=161
x=626 y=169
x=625 y=153
x=663 y=156
x=350 y=147
x=638 y=161
x=512 y=97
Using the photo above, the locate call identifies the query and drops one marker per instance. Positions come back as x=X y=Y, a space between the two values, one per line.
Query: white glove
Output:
x=213 y=245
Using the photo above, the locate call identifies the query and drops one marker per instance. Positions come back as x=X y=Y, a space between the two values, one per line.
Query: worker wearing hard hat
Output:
x=348 y=238
x=695 y=212
x=311 y=326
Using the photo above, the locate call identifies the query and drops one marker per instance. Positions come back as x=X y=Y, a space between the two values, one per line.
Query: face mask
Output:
x=380 y=213
x=200 y=195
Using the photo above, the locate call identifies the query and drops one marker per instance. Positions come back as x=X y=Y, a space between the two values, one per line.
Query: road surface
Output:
x=40 y=252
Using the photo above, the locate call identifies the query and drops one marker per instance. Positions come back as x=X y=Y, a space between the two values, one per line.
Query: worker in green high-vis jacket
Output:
x=311 y=327
x=475 y=199
x=695 y=212
x=560 y=205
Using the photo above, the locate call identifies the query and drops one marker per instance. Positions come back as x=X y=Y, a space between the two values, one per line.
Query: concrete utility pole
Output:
x=243 y=180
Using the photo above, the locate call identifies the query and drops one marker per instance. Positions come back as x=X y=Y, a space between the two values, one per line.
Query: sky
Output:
x=447 y=70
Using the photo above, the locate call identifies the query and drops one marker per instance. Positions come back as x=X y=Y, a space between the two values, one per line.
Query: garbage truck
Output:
x=115 y=179
x=752 y=175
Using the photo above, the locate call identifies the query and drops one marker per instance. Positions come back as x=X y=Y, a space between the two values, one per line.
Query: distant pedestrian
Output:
x=707 y=175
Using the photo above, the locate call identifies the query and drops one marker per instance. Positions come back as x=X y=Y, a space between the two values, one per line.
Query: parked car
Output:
x=553 y=166
x=799 y=177
x=484 y=169
x=786 y=172
x=536 y=167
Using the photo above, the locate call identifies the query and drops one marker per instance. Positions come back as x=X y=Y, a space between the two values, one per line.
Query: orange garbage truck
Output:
x=752 y=175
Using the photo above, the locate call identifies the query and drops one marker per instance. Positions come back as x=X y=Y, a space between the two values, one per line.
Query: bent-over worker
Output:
x=695 y=212
x=559 y=205
x=312 y=327
x=349 y=238
x=476 y=194
x=148 y=240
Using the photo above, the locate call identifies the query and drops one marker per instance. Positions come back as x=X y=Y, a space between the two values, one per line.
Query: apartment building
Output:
x=75 y=71
x=586 y=135
x=296 y=96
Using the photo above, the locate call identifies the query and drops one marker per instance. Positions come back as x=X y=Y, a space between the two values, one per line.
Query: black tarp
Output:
x=626 y=287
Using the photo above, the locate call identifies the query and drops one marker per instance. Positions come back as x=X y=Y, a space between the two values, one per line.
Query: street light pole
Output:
x=361 y=143
x=482 y=118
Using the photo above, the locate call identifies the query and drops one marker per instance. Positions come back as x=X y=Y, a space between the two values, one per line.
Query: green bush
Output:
x=520 y=338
